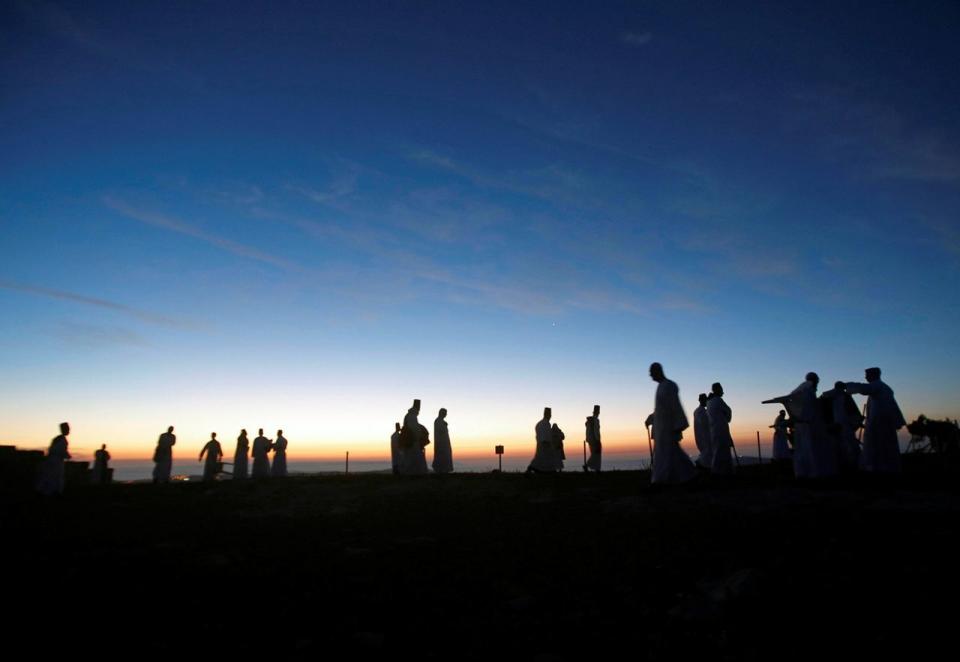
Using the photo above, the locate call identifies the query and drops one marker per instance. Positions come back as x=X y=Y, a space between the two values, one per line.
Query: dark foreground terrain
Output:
x=488 y=566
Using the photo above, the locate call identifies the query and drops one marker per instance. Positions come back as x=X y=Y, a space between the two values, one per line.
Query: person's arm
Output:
x=204 y=450
x=862 y=389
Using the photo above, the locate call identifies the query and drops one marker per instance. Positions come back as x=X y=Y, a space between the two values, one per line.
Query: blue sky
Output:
x=307 y=214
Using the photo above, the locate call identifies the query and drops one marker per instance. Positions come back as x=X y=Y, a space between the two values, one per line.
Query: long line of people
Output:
x=819 y=437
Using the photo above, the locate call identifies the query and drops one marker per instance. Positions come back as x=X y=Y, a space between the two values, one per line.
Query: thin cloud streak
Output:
x=63 y=295
x=180 y=227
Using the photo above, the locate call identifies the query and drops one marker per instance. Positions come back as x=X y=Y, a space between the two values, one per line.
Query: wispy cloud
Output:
x=63 y=295
x=636 y=39
x=172 y=224
x=92 y=336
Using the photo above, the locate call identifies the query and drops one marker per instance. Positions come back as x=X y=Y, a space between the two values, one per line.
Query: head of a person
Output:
x=260 y=432
x=443 y=412
x=170 y=429
x=547 y=413
x=717 y=389
x=396 y=427
x=656 y=372
x=243 y=432
x=872 y=374
x=596 y=410
x=840 y=386
x=702 y=398
x=783 y=412
x=64 y=428
x=213 y=436
x=416 y=405
x=103 y=447
x=813 y=377
x=279 y=433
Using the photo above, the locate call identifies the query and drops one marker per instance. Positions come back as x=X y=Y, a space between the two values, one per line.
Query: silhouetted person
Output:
x=671 y=464
x=814 y=455
x=214 y=452
x=592 y=432
x=396 y=453
x=545 y=458
x=261 y=459
x=101 y=469
x=52 y=470
x=558 y=438
x=163 y=456
x=240 y=469
x=721 y=443
x=442 y=451
x=701 y=433
x=881 y=448
x=847 y=419
x=781 y=444
x=413 y=439
x=279 y=468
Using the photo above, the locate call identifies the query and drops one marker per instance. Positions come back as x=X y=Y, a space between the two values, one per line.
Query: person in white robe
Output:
x=701 y=432
x=881 y=447
x=781 y=444
x=545 y=457
x=721 y=443
x=52 y=471
x=395 y=450
x=163 y=456
x=413 y=440
x=814 y=454
x=240 y=466
x=559 y=454
x=442 y=451
x=593 y=441
x=214 y=452
x=671 y=464
x=101 y=466
x=279 y=467
x=261 y=457
x=846 y=420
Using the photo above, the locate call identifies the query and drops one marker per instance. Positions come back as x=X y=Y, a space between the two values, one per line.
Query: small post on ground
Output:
x=347 y=469
x=759 y=454
x=499 y=451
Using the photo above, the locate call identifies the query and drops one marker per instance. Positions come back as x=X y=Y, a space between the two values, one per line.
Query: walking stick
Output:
x=759 y=454
x=650 y=444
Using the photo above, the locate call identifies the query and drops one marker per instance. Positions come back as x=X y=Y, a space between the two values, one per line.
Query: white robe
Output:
x=279 y=467
x=670 y=463
x=701 y=435
x=546 y=457
x=163 y=457
x=814 y=455
x=721 y=443
x=395 y=452
x=261 y=459
x=52 y=471
x=881 y=447
x=781 y=445
x=593 y=441
x=101 y=468
x=414 y=459
x=442 y=451
x=212 y=464
x=240 y=469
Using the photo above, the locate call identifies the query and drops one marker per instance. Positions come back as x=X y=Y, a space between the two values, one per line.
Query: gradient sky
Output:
x=303 y=215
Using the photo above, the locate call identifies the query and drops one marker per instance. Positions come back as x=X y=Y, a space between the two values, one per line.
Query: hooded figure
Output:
x=557 y=434
x=101 y=468
x=413 y=440
x=214 y=452
x=781 y=445
x=163 y=456
x=442 y=451
x=721 y=442
x=279 y=468
x=845 y=421
x=261 y=459
x=593 y=440
x=545 y=458
x=52 y=470
x=396 y=452
x=701 y=432
x=881 y=448
x=670 y=463
x=240 y=456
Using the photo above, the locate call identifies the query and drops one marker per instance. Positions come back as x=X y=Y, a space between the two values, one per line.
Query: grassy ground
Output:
x=469 y=566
